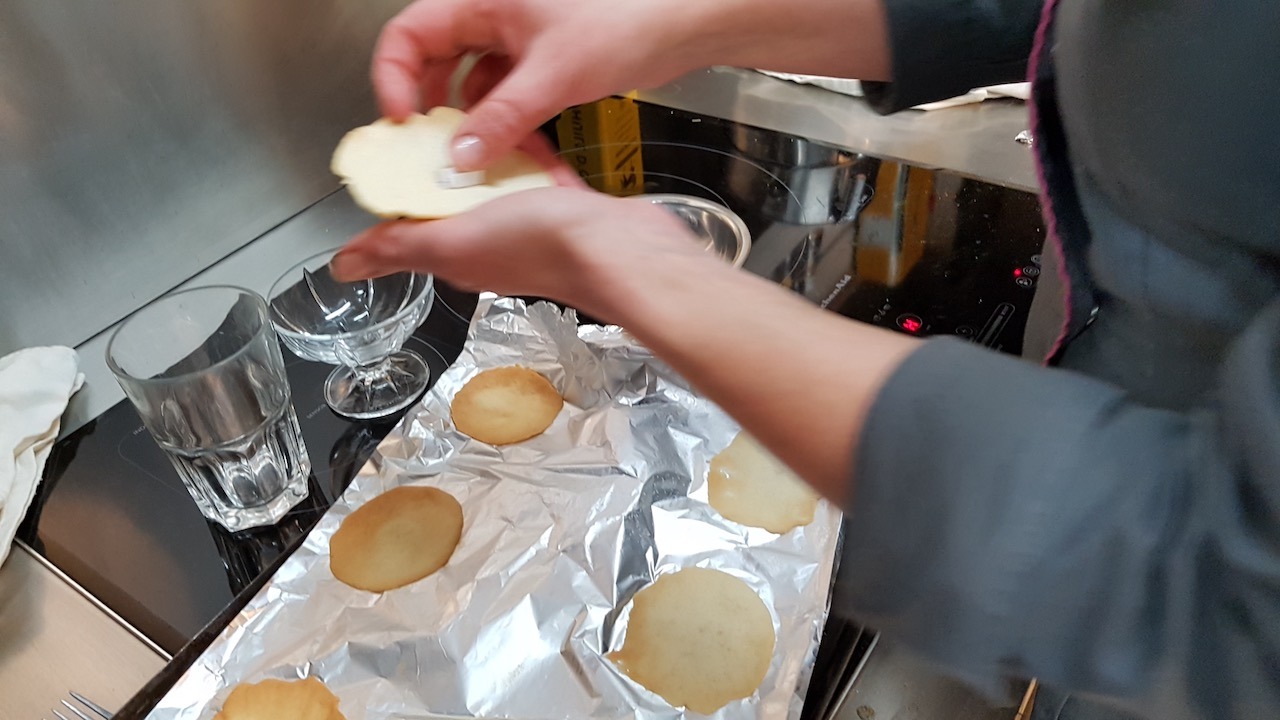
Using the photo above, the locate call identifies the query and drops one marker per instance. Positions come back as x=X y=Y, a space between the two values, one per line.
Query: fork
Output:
x=78 y=714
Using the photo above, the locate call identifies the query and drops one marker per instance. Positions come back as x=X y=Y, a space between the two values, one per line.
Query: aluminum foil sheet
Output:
x=559 y=533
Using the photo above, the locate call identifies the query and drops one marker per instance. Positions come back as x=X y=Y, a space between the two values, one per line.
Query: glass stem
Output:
x=372 y=373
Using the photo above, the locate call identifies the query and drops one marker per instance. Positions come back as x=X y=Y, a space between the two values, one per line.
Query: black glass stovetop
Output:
x=922 y=251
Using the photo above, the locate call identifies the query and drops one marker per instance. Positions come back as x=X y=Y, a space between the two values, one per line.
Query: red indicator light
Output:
x=910 y=322
x=1017 y=272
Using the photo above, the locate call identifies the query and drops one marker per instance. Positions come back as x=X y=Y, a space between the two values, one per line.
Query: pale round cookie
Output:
x=281 y=700
x=750 y=486
x=505 y=405
x=397 y=538
x=393 y=169
x=699 y=639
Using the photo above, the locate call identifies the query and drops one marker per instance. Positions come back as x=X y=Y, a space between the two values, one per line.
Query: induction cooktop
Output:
x=918 y=250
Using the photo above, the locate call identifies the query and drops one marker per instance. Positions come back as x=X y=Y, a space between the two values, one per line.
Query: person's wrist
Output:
x=630 y=289
x=845 y=38
x=729 y=32
x=692 y=35
x=600 y=278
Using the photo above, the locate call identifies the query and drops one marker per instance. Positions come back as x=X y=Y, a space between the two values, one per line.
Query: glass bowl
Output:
x=724 y=233
x=361 y=327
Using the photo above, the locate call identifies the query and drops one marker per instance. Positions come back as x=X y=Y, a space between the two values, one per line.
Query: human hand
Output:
x=572 y=245
x=541 y=56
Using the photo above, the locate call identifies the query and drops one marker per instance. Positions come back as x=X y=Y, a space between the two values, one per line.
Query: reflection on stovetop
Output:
x=917 y=250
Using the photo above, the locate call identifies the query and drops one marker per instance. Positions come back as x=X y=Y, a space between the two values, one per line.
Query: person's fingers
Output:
x=532 y=93
x=397 y=246
x=423 y=34
x=485 y=75
x=540 y=149
x=459 y=244
x=397 y=69
x=434 y=83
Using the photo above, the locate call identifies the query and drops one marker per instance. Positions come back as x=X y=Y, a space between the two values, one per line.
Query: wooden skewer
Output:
x=1028 y=701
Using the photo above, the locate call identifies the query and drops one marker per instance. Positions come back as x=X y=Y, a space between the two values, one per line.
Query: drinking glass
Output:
x=203 y=368
x=360 y=327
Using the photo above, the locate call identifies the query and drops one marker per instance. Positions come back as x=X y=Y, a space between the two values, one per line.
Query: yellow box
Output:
x=601 y=141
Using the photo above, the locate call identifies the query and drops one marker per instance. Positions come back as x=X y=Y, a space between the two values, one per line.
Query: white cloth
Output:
x=1020 y=91
x=35 y=386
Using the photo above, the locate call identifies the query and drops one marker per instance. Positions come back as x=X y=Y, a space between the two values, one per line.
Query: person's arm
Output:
x=802 y=381
x=1006 y=519
x=1012 y=517
x=546 y=55
x=1003 y=518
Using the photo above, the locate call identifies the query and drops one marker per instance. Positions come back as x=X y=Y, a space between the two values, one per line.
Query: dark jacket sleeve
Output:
x=944 y=48
x=1014 y=519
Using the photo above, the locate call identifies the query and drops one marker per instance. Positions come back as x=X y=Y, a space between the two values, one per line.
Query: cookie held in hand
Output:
x=394 y=170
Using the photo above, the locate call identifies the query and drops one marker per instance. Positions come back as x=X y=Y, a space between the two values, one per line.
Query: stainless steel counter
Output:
x=143 y=140
x=56 y=638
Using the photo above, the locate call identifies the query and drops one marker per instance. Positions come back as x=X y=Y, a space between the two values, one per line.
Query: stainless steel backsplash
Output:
x=142 y=140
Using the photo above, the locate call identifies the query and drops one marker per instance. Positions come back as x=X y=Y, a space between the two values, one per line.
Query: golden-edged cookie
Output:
x=397 y=538
x=392 y=169
x=505 y=405
x=698 y=638
x=307 y=699
x=750 y=486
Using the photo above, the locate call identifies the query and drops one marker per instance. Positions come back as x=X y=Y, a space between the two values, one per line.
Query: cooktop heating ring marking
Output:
x=452 y=312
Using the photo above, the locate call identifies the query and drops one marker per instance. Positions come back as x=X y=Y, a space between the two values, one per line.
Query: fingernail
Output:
x=350 y=265
x=468 y=153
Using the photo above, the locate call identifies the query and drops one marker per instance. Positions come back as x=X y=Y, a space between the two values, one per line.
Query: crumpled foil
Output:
x=559 y=534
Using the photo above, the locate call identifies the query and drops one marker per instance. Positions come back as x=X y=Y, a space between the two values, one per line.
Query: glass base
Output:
x=252 y=482
x=370 y=393
x=264 y=515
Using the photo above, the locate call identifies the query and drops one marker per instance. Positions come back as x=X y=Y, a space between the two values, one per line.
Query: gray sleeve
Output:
x=1009 y=519
x=944 y=48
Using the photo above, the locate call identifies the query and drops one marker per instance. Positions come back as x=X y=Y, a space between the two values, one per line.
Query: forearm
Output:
x=842 y=38
x=801 y=380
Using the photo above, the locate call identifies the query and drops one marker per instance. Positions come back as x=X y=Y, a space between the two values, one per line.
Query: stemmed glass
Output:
x=360 y=327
